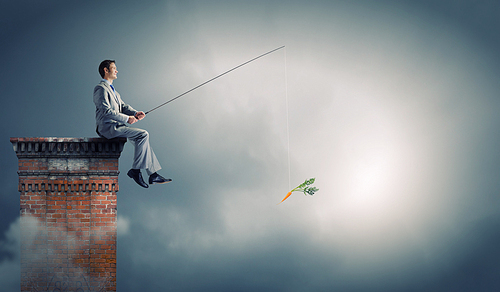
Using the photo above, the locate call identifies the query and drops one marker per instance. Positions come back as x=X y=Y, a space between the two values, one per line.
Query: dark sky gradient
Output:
x=393 y=107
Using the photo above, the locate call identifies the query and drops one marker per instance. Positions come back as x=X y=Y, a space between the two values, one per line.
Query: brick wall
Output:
x=68 y=197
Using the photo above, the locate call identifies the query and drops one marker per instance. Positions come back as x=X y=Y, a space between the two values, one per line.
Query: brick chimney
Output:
x=68 y=190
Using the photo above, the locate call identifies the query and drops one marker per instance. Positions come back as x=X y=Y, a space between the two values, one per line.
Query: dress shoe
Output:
x=137 y=176
x=158 y=179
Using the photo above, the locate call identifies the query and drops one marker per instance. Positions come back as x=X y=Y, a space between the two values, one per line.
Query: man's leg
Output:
x=144 y=156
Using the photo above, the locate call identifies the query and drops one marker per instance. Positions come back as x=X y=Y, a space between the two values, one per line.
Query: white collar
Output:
x=105 y=80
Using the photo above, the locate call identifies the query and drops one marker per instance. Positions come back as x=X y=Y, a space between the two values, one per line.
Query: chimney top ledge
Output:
x=67 y=147
x=65 y=139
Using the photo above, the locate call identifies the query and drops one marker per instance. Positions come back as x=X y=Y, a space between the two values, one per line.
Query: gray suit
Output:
x=111 y=116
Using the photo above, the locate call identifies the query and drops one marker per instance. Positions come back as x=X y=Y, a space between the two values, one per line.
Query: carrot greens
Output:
x=304 y=187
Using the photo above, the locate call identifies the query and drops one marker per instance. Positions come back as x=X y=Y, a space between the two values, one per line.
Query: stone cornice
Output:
x=67 y=147
x=30 y=173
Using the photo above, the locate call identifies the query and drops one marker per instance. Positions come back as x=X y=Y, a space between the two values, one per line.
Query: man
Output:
x=111 y=117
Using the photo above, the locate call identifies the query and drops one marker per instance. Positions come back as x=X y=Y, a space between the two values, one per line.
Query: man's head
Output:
x=107 y=69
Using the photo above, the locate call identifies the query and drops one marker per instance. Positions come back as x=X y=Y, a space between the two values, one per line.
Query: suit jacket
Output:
x=110 y=111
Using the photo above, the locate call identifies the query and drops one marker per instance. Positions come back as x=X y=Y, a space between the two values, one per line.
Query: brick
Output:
x=69 y=205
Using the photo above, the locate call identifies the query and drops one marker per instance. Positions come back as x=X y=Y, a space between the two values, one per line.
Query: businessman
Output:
x=112 y=116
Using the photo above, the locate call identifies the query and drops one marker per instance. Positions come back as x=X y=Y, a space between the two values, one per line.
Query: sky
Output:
x=391 y=106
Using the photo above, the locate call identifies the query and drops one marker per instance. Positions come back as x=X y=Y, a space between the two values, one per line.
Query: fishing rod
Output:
x=214 y=79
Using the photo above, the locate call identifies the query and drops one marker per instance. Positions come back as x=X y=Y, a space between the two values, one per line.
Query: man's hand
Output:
x=140 y=115
x=132 y=119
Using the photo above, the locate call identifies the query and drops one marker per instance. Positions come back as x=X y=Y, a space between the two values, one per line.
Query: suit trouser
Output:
x=144 y=157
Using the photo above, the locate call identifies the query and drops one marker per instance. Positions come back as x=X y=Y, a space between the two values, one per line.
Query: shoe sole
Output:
x=160 y=183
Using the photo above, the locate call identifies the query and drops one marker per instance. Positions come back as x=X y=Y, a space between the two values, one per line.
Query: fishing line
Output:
x=287 y=124
x=220 y=75
x=307 y=182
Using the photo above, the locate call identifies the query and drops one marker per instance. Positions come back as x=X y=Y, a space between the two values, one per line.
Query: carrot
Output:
x=304 y=187
x=287 y=195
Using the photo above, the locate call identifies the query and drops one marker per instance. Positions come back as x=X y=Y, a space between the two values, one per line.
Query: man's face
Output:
x=111 y=73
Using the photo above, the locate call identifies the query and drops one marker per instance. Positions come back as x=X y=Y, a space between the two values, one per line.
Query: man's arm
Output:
x=126 y=108
x=137 y=117
x=103 y=106
x=134 y=115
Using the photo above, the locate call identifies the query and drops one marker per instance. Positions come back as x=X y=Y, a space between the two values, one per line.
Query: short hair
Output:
x=105 y=64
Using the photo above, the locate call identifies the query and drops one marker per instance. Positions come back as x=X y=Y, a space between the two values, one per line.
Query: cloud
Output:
x=392 y=108
x=378 y=125
x=33 y=231
x=10 y=265
x=123 y=225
